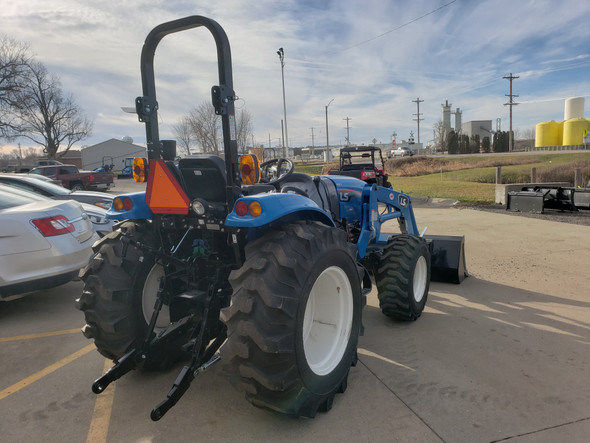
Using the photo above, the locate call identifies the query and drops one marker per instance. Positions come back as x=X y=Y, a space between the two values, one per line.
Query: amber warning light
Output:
x=140 y=169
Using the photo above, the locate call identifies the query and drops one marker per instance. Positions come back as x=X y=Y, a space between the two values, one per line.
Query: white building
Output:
x=483 y=128
x=110 y=152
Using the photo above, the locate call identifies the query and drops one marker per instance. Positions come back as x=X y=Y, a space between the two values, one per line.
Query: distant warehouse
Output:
x=110 y=152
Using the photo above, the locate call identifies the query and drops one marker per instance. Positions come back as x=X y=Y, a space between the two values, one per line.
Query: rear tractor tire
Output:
x=403 y=277
x=294 y=319
x=120 y=288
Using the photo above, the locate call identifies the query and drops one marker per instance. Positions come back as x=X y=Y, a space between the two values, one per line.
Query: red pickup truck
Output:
x=76 y=180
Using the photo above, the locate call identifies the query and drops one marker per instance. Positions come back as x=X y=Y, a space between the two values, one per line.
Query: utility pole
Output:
x=347 y=130
x=281 y=54
x=312 y=142
x=418 y=119
x=510 y=103
x=328 y=156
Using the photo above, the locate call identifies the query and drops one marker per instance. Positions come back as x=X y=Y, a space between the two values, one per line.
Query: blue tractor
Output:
x=256 y=265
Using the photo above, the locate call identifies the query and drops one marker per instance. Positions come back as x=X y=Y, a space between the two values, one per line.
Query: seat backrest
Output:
x=320 y=189
x=204 y=177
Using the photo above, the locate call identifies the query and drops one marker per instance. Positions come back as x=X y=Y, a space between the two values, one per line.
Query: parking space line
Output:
x=40 y=335
x=101 y=417
x=46 y=371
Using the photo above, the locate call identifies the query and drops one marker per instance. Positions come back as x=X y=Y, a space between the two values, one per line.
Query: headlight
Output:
x=198 y=207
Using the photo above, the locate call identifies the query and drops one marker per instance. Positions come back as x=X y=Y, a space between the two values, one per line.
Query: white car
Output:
x=43 y=243
x=96 y=214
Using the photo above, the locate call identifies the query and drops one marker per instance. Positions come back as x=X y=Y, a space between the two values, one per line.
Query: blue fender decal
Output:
x=275 y=207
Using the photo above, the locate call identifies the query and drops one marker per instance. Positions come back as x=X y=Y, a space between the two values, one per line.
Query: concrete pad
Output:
x=503 y=356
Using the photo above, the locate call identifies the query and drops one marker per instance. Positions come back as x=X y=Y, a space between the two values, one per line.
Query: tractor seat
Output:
x=320 y=189
x=203 y=177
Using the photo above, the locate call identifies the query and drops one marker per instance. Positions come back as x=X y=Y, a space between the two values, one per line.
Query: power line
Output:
x=400 y=26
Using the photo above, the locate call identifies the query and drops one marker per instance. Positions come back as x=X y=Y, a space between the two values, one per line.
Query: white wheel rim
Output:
x=420 y=278
x=149 y=295
x=327 y=321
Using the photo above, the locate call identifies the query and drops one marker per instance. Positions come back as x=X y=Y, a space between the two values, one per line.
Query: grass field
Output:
x=472 y=178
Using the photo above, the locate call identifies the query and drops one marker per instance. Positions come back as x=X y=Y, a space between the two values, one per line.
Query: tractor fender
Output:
x=139 y=208
x=284 y=207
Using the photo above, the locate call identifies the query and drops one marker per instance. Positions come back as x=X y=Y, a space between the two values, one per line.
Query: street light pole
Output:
x=328 y=156
x=281 y=54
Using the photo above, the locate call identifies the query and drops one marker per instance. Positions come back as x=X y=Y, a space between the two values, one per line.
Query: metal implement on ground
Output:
x=537 y=198
x=254 y=265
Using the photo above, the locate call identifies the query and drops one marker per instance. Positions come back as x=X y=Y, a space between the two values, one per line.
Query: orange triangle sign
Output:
x=164 y=195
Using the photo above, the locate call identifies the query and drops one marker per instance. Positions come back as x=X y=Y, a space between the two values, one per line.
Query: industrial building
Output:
x=483 y=128
x=446 y=118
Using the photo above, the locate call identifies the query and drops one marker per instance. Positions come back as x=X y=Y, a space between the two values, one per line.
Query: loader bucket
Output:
x=447 y=258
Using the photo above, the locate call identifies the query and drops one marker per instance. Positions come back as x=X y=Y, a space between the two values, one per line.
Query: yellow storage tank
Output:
x=573 y=131
x=548 y=133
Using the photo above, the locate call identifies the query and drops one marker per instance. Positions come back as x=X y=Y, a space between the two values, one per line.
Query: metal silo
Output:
x=446 y=116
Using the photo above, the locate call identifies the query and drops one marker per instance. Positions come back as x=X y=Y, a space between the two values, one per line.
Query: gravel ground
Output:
x=581 y=217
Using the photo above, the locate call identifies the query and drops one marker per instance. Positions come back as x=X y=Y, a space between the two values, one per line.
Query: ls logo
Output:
x=403 y=201
x=344 y=196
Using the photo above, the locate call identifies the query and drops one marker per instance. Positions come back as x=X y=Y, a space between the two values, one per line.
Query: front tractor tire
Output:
x=120 y=287
x=403 y=277
x=294 y=319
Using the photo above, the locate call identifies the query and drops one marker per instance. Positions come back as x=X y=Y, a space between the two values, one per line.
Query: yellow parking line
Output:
x=99 y=425
x=43 y=372
x=40 y=335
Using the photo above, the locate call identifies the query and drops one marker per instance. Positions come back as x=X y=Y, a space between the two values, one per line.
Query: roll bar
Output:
x=223 y=95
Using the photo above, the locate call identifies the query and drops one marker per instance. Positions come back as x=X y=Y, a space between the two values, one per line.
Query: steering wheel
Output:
x=273 y=172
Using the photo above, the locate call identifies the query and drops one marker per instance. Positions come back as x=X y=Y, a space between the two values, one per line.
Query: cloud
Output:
x=373 y=58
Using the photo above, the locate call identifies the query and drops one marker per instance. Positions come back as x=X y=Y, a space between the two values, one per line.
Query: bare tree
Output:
x=244 y=129
x=206 y=127
x=46 y=116
x=14 y=61
x=184 y=135
x=440 y=135
x=525 y=134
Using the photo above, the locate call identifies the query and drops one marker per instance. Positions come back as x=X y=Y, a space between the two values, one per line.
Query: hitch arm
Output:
x=123 y=366
x=181 y=385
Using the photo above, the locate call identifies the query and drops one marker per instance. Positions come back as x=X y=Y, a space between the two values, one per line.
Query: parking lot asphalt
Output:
x=504 y=356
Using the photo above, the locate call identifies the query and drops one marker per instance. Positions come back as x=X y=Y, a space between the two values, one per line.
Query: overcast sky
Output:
x=372 y=57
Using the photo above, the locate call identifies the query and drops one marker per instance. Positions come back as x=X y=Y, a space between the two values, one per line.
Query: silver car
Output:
x=42 y=185
x=43 y=243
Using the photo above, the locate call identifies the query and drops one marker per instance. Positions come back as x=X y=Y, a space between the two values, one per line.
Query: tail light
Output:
x=91 y=178
x=52 y=226
x=122 y=204
x=365 y=175
x=252 y=208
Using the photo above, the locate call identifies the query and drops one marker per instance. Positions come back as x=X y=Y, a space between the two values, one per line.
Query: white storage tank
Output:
x=574 y=108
